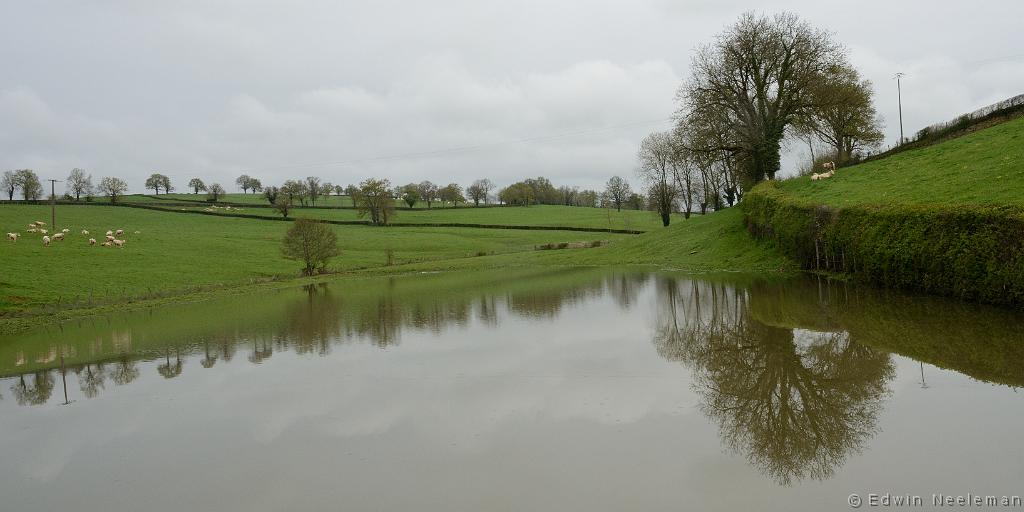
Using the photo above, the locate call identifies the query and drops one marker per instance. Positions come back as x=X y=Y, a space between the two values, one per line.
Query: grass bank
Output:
x=946 y=219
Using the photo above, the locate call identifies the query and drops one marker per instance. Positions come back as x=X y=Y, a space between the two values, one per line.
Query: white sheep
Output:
x=58 y=237
x=40 y=223
x=46 y=241
x=43 y=231
x=106 y=244
x=32 y=226
x=829 y=165
x=32 y=230
x=65 y=231
x=85 y=232
x=109 y=233
x=119 y=232
x=110 y=238
x=138 y=232
x=119 y=243
x=13 y=236
x=92 y=241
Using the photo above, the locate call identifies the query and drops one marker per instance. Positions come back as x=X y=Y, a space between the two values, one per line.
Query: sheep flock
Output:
x=113 y=237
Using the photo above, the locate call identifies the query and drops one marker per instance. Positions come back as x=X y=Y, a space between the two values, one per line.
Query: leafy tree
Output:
x=374 y=199
x=635 y=201
x=255 y=185
x=295 y=190
x=196 y=185
x=452 y=193
x=618 y=191
x=79 y=183
x=844 y=116
x=170 y=370
x=271 y=194
x=157 y=181
x=479 y=191
x=36 y=394
x=759 y=76
x=243 y=182
x=214 y=192
x=28 y=182
x=339 y=190
x=410 y=194
x=113 y=188
x=587 y=198
x=519 y=194
x=311 y=242
x=543 y=191
x=9 y=184
x=428 y=192
x=313 y=189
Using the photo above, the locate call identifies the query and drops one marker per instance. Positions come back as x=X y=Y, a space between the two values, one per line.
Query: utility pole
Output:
x=899 y=101
x=53 y=205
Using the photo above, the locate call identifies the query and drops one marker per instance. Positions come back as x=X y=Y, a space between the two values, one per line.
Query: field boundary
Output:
x=314 y=207
x=393 y=224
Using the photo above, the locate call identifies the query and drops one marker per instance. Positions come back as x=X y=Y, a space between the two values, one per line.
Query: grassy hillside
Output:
x=946 y=219
x=174 y=253
x=983 y=168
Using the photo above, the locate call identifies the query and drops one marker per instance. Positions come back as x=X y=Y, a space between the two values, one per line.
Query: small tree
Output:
x=428 y=192
x=29 y=184
x=339 y=190
x=214 y=192
x=255 y=185
x=271 y=194
x=452 y=193
x=113 y=188
x=479 y=191
x=282 y=204
x=157 y=181
x=196 y=185
x=311 y=242
x=374 y=199
x=313 y=188
x=9 y=184
x=410 y=194
x=295 y=190
x=79 y=183
x=618 y=191
x=243 y=182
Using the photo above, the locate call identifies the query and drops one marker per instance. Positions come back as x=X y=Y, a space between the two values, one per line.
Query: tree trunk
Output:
x=665 y=217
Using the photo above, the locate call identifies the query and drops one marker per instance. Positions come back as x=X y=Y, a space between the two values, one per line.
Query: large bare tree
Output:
x=844 y=116
x=657 y=151
x=758 y=76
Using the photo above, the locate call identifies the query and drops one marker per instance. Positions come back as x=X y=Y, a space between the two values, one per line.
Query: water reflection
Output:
x=795 y=403
x=794 y=374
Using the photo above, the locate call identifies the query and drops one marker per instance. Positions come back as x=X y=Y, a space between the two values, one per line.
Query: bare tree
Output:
x=759 y=74
x=428 y=192
x=656 y=155
x=113 y=188
x=479 y=191
x=9 y=184
x=313 y=189
x=157 y=181
x=618 y=191
x=215 y=191
x=243 y=182
x=79 y=183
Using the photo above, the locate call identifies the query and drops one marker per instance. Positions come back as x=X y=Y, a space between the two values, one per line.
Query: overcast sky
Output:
x=447 y=90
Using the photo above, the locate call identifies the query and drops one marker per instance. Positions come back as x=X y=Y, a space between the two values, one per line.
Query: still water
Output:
x=569 y=390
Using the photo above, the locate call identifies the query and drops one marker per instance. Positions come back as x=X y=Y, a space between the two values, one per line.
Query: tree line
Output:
x=763 y=81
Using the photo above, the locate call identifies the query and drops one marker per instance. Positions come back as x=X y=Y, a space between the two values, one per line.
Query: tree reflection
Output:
x=795 y=404
x=36 y=392
x=124 y=371
x=91 y=378
x=168 y=369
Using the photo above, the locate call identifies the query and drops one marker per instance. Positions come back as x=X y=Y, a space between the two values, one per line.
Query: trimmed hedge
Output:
x=969 y=252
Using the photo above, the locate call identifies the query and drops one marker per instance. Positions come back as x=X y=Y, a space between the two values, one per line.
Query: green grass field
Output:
x=983 y=168
x=538 y=215
x=177 y=252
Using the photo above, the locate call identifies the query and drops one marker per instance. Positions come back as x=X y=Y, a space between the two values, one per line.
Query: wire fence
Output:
x=977 y=114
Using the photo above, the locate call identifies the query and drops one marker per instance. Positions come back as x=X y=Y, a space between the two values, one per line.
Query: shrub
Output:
x=311 y=242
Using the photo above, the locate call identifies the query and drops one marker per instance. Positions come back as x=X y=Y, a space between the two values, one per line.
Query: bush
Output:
x=969 y=252
x=311 y=242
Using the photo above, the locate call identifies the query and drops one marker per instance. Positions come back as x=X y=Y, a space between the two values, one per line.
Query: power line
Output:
x=453 y=150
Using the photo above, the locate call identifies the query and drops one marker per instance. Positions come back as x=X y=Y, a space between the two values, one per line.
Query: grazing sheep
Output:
x=119 y=243
x=109 y=233
x=85 y=232
x=829 y=165
x=46 y=241
x=65 y=231
x=110 y=238
x=40 y=223
x=92 y=241
x=119 y=232
x=106 y=244
x=32 y=230
x=43 y=231
x=32 y=226
x=138 y=232
x=13 y=237
x=58 y=237
x=822 y=176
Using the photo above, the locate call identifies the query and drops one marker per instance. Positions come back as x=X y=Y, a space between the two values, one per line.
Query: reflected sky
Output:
x=542 y=391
